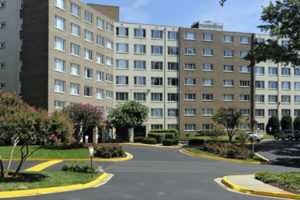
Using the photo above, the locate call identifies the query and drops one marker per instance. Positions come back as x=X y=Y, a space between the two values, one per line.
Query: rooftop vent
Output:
x=208 y=25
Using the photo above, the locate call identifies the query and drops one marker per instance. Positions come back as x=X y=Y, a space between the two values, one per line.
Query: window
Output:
x=156 y=81
x=190 y=51
x=139 y=96
x=173 y=82
x=173 y=50
x=173 y=66
x=74 y=89
x=139 y=48
x=207 y=82
x=100 y=41
x=88 y=54
x=286 y=112
x=273 y=99
x=88 y=35
x=260 y=98
x=109 y=44
x=88 y=17
x=156 y=34
x=259 y=84
x=297 y=71
x=190 y=81
x=190 y=112
x=207 y=52
x=286 y=71
x=285 y=43
x=259 y=112
x=139 y=32
x=59 y=65
x=228 y=53
x=207 y=37
x=140 y=65
x=207 y=97
x=109 y=94
x=2 y=65
x=122 y=48
x=244 y=40
x=100 y=76
x=189 y=66
x=99 y=93
x=244 y=83
x=100 y=23
x=228 y=97
x=60 y=4
x=207 y=126
x=2 y=85
x=75 y=49
x=88 y=91
x=109 y=78
x=207 y=67
x=156 y=113
x=107 y=111
x=244 y=69
x=285 y=85
x=75 y=69
x=139 y=80
x=75 y=29
x=59 y=105
x=207 y=112
x=156 y=126
x=156 y=65
x=88 y=73
x=173 y=97
x=156 y=97
x=60 y=44
x=122 y=31
x=272 y=112
x=172 y=35
x=109 y=27
x=297 y=112
x=272 y=85
x=60 y=23
x=228 y=38
x=189 y=36
x=121 y=96
x=260 y=40
x=99 y=58
x=243 y=54
x=286 y=99
x=59 y=86
x=228 y=83
x=75 y=10
x=157 y=50
x=109 y=61
x=259 y=70
x=190 y=127
x=122 y=80
x=297 y=85
x=172 y=112
x=272 y=70
x=2 y=25
x=244 y=97
x=228 y=68
x=297 y=99
x=122 y=64
x=245 y=112
x=189 y=97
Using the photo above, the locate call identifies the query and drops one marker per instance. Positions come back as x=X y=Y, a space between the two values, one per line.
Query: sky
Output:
x=236 y=15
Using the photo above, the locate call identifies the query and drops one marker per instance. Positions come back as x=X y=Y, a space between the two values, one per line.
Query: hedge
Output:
x=145 y=140
x=169 y=142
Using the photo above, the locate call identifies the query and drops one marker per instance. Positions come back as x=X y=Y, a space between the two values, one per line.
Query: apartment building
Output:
x=147 y=70
x=10 y=45
x=213 y=74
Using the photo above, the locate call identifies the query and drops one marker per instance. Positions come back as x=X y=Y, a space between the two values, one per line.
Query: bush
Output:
x=169 y=142
x=158 y=137
x=297 y=123
x=165 y=131
x=109 y=151
x=83 y=167
x=196 y=142
x=286 y=122
x=145 y=140
x=242 y=137
x=274 y=124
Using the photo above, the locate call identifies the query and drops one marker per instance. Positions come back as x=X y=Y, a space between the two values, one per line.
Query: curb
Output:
x=150 y=145
x=226 y=182
x=33 y=192
x=224 y=159
x=43 y=166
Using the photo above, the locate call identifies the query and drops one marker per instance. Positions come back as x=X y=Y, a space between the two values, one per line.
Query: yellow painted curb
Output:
x=150 y=145
x=226 y=182
x=44 y=165
x=32 y=192
x=224 y=159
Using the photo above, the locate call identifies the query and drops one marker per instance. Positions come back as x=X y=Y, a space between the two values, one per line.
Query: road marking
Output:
x=43 y=165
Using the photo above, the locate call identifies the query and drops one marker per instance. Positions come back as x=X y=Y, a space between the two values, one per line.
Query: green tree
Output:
x=273 y=125
x=286 y=122
x=297 y=123
x=229 y=119
x=129 y=115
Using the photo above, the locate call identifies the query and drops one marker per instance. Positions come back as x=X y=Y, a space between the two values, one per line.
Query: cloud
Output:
x=134 y=13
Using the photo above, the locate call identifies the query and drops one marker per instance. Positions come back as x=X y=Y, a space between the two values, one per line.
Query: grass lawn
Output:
x=30 y=180
x=202 y=152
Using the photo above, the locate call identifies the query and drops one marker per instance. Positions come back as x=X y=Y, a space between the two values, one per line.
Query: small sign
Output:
x=183 y=143
x=91 y=150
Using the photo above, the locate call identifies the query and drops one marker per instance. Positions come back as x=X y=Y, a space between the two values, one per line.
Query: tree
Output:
x=272 y=126
x=129 y=115
x=297 y=123
x=229 y=119
x=286 y=122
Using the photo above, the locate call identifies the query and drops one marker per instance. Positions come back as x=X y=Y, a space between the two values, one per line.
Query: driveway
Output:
x=165 y=174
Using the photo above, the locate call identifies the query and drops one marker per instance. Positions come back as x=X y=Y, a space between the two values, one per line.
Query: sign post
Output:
x=91 y=151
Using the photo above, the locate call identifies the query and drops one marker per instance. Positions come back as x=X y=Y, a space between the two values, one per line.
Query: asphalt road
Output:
x=164 y=174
